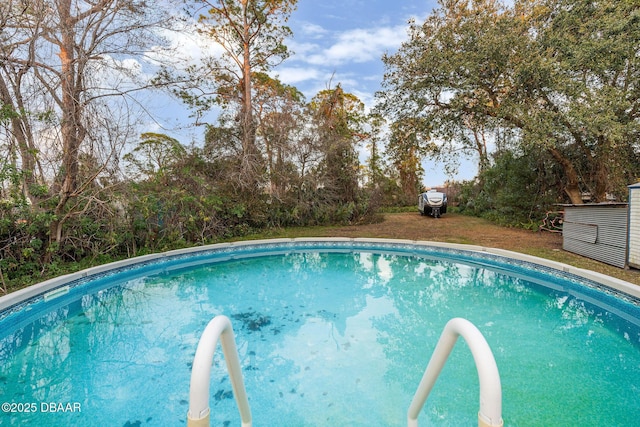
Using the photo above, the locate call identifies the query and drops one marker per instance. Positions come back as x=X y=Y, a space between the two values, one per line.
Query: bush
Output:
x=515 y=191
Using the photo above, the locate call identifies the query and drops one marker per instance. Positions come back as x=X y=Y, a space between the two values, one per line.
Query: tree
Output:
x=593 y=97
x=15 y=114
x=251 y=34
x=375 y=168
x=338 y=121
x=561 y=74
x=63 y=62
x=279 y=111
x=436 y=79
x=405 y=150
x=155 y=155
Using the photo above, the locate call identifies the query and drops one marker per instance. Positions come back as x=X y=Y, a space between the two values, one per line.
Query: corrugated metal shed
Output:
x=633 y=259
x=598 y=231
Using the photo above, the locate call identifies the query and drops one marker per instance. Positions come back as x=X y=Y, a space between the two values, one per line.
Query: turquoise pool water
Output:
x=328 y=335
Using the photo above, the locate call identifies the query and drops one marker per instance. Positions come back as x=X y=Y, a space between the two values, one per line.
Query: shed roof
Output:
x=596 y=205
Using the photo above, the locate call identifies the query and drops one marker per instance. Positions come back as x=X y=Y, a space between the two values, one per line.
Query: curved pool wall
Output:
x=621 y=299
x=616 y=296
x=516 y=263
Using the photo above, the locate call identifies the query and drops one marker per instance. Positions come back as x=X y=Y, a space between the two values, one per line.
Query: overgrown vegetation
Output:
x=544 y=93
x=514 y=190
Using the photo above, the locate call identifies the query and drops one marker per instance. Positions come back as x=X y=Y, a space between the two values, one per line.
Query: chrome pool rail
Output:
x=490 y=414
x=199 y=413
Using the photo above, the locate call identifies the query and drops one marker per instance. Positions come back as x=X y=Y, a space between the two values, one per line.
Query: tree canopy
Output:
x=250 y=34
x=560 y=75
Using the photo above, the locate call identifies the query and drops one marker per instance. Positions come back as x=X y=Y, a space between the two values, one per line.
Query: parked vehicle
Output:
x=432 y=203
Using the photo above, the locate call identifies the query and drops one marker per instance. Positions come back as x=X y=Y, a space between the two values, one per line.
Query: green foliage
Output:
x=338 y=118
x=272 y=160
x=552 y=84
x=514 y=191
x=561 y=75
x=6 y=112
x=22 y=237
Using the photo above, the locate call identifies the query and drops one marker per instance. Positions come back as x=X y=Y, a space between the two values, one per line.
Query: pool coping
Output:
x=37 y=289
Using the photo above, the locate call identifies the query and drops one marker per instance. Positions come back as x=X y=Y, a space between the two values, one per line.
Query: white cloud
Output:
x=131 y=64
x=294 y=75
x=301 y=50
x=312 y=30
x=351 y=57
x=360 y=45
x=184 y=47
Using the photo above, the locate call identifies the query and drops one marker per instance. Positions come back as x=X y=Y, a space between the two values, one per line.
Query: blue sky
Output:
x=342 y=41
x=346 y=40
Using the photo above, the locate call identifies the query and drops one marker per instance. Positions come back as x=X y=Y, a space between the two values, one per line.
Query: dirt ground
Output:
x=456 y=228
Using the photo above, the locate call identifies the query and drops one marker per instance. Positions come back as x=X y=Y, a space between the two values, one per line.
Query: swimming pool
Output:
x=329 y=332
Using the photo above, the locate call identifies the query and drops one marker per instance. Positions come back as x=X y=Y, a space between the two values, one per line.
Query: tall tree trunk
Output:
x=20 y=132
x=408 y=171
x=71 y=129
x=602 y=164
x=571 y=187
x=249 y=166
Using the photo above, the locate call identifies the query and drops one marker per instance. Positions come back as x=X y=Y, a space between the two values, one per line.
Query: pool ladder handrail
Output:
x=490 y=414
x=199 y=412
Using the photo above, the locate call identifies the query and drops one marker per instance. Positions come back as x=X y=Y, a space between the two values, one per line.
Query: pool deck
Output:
x=21 y=295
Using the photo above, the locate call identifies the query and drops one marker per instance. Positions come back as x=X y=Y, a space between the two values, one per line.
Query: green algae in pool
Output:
x=324 y=339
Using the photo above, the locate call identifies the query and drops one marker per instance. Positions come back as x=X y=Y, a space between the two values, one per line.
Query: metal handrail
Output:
x=490 y=414
x=199 y=413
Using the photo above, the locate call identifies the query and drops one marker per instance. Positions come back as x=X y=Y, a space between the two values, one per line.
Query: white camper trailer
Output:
x=432 y=203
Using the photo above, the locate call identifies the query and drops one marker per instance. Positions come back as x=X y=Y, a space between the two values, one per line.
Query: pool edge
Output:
x=32 y=291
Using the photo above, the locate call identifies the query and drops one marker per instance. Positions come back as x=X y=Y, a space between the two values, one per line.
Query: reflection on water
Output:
x=324 y=339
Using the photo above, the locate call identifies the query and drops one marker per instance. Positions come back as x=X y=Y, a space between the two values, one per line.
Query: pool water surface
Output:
x=325 y=338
